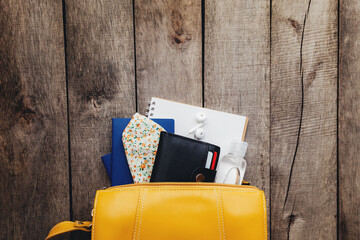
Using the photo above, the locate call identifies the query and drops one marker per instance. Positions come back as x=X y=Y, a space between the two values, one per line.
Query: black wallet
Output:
x=181 y=159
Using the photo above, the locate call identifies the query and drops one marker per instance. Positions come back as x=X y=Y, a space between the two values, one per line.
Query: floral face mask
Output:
x=141 y=140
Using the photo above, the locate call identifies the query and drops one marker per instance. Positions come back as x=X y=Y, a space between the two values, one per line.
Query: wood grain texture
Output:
x=237 y=74
x=349 y=124
x=100 y=63
x=303 y=119
x=34 y=184
x=168 y=51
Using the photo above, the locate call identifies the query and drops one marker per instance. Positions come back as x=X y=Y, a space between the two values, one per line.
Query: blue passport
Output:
x=106 y=159
x=115 y=163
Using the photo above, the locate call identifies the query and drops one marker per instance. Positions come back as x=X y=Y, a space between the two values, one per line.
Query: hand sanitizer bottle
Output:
x=232 y=166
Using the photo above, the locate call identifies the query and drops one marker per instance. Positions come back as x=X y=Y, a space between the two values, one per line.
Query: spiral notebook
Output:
x=220 y=127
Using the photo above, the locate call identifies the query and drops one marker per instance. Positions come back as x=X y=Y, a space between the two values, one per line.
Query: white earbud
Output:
x=201 y=117
x=199 y=133
x=198 y=130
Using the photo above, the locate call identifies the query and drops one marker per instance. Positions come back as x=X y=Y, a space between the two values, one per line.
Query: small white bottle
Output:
x=232 y=166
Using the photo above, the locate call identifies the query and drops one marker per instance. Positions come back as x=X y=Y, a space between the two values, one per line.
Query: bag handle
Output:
x=68 y=226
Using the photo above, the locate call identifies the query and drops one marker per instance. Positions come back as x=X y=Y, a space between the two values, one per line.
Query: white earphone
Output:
x=198 y=131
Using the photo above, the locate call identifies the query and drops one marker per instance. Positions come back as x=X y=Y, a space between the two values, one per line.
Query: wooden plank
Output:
x=303 y=119
x=100 y=63
x=349 y=124
x=168 y=51
x=237 y=74
x=34 y=177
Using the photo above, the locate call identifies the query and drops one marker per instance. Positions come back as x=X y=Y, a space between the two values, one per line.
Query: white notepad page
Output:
x=220 y=127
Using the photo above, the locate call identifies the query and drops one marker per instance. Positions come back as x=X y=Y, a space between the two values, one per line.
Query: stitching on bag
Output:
x=122 y=190
x=199 y=190
x=137 y=211
x=222 y=214
x=264 y=205
x=217 y=210
x=141 y=211
x=196 y=190
x=93 y=224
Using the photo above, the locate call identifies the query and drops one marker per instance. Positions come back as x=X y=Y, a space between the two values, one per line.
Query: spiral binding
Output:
x=150 y=107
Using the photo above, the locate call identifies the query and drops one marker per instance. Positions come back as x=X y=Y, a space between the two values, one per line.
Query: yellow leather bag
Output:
x=160 y=211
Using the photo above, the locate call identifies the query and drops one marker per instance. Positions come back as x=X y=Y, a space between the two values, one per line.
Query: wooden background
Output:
x=293 y=66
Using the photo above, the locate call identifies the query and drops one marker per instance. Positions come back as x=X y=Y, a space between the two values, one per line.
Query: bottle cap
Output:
x=238 y=147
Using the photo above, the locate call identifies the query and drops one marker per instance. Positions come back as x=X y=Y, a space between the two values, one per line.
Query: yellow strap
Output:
x=68 y=226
